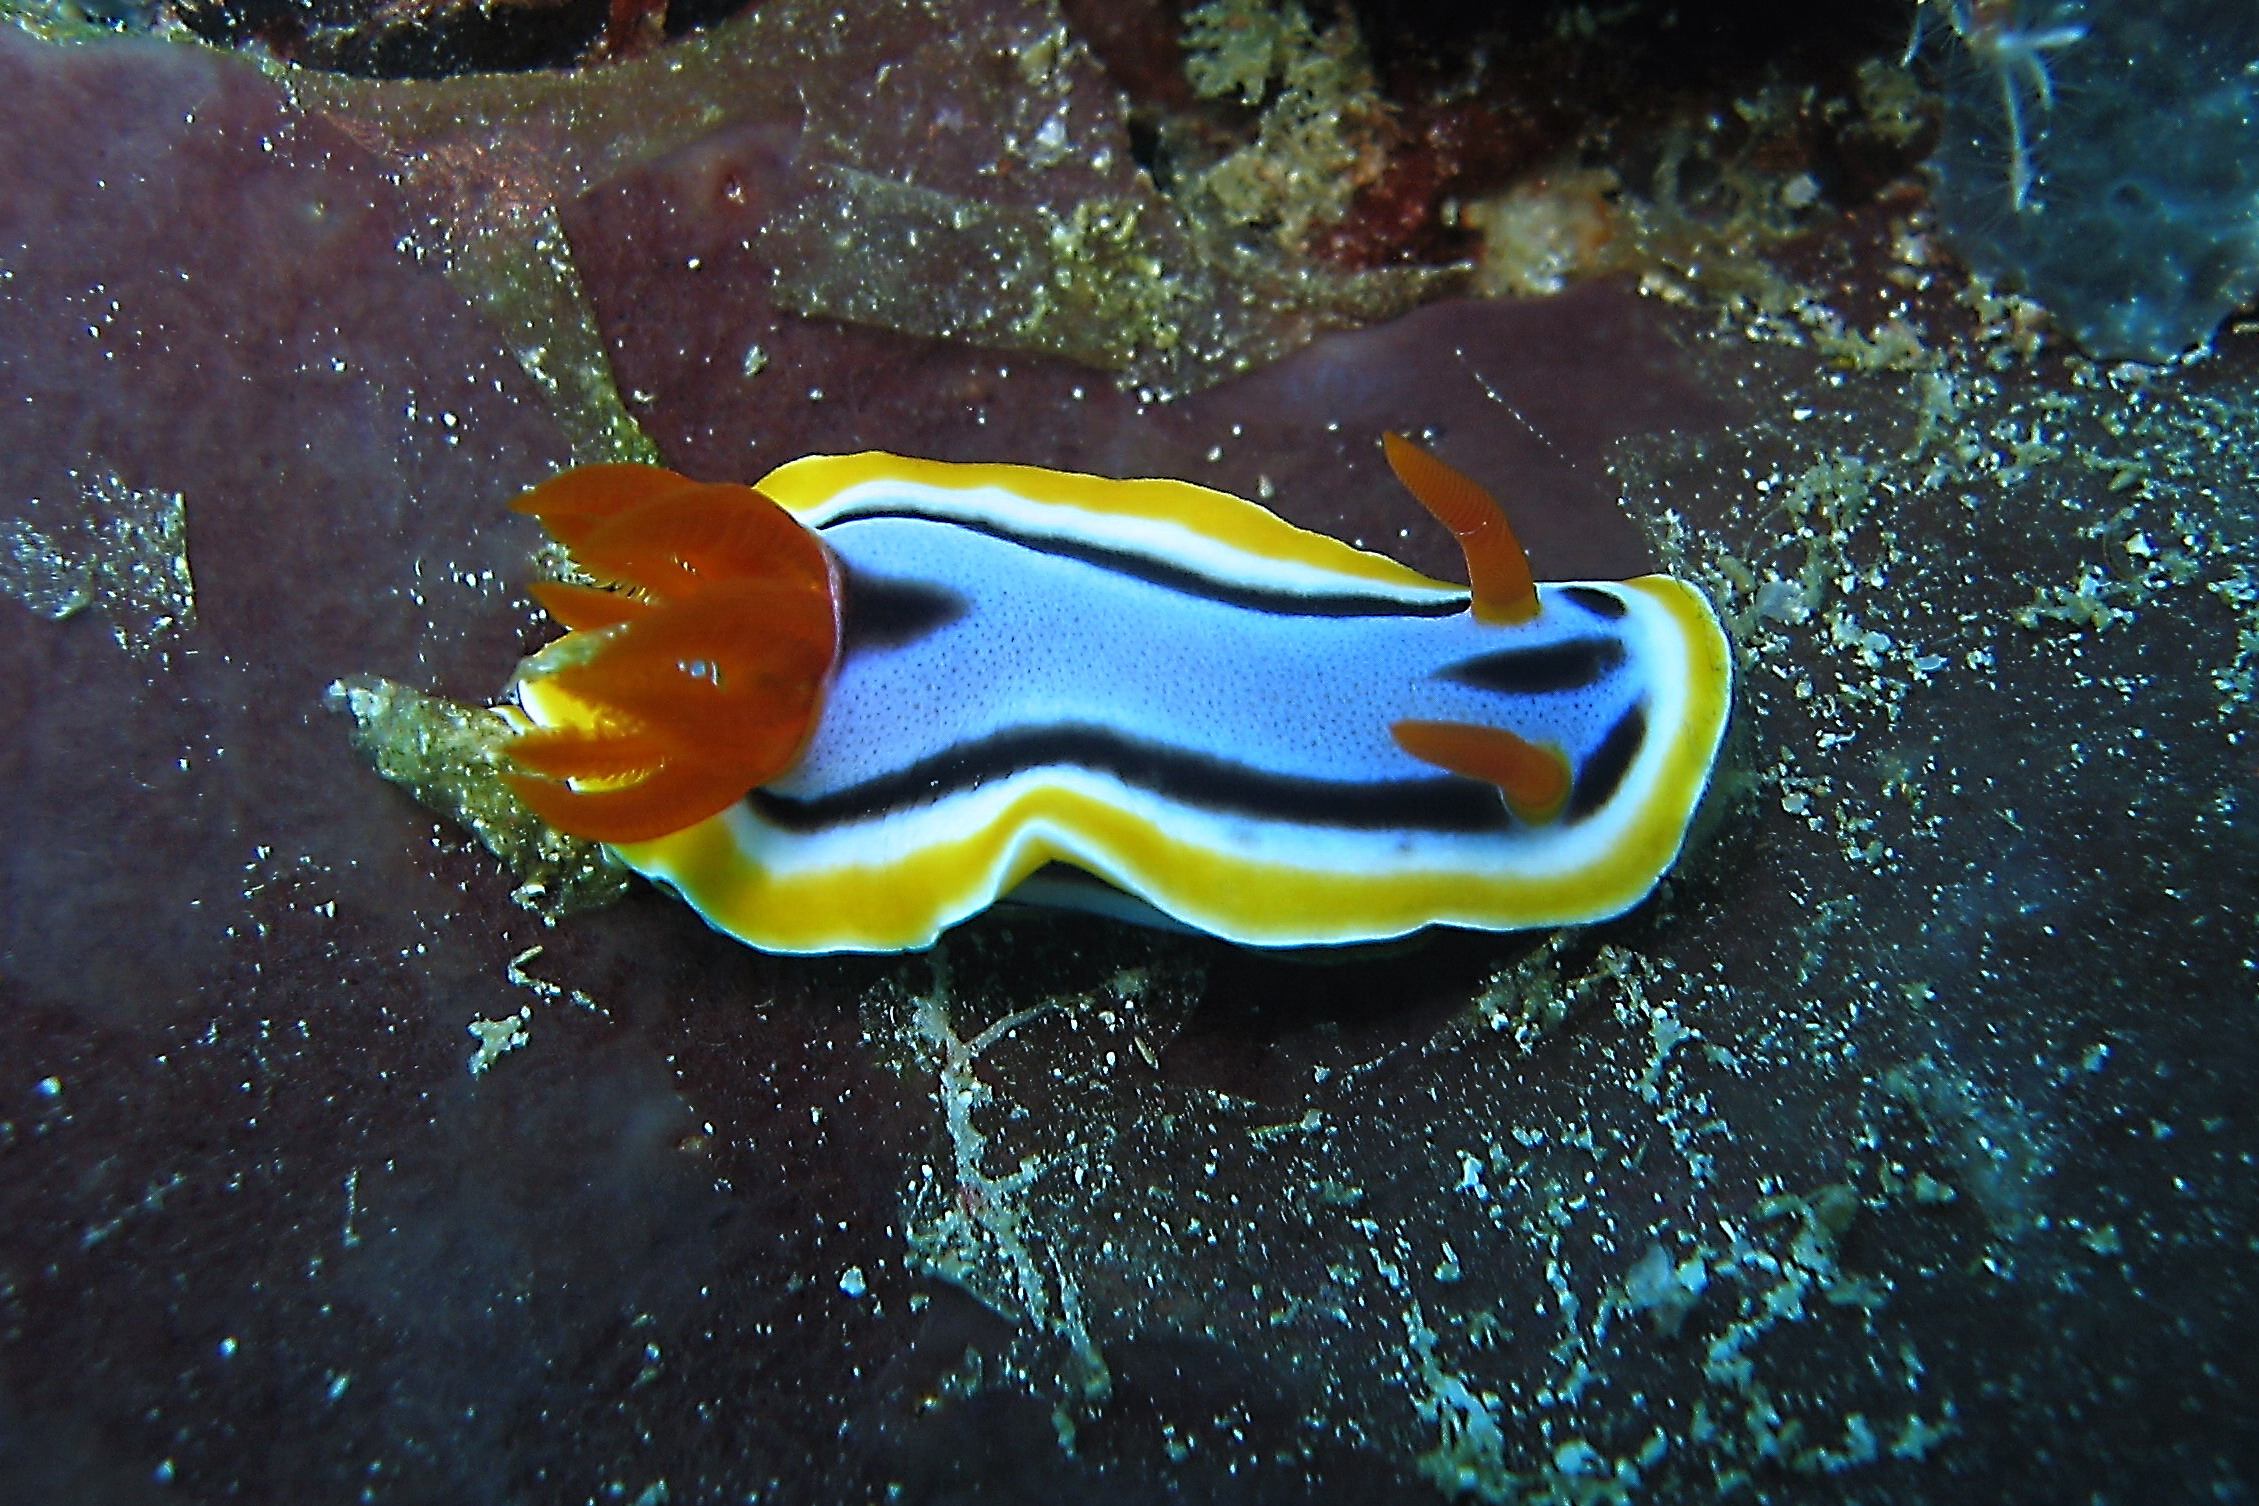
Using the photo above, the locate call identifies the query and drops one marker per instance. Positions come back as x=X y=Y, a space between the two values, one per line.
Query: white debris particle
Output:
x=497 y=1038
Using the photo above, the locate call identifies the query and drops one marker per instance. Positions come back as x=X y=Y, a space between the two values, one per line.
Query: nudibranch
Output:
x=852 y=705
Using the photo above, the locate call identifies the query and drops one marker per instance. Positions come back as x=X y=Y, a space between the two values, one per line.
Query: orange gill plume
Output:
x=716 y=629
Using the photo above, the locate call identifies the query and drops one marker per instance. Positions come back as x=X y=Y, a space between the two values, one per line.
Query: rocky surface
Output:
x=1897 y=1148
x=2099 y=156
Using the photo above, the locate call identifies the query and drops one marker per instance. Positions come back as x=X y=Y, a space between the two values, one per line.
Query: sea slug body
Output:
x=851 y=706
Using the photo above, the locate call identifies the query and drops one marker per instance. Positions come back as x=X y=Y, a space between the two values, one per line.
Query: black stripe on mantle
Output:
x=1444 y=803
x=1179 y=578
x=1547 y=669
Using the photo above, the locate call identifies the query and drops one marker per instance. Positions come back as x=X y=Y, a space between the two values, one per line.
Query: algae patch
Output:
x=993 y=1236
x=485 y=162
x=121 y=551
x=1322 y=133
x=446 y=755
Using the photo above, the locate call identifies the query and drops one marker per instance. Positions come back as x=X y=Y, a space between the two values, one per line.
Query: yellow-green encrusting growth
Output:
x=444 y=754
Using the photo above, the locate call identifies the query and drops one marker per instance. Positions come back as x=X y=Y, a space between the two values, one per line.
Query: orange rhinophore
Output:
x=710 y=642
x=1498 y=571
x=1534 y=779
